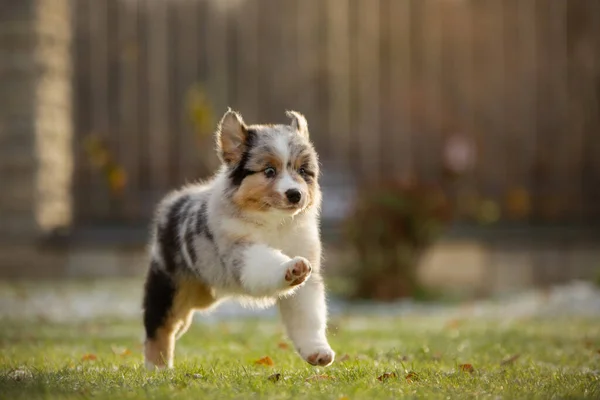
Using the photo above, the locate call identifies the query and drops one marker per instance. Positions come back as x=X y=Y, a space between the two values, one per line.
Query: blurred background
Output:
x=460 y=139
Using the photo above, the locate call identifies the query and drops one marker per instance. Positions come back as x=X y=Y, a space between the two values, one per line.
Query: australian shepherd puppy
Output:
x=251 y=233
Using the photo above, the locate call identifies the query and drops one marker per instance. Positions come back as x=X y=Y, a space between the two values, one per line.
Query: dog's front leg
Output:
x=267 y=272
x=304 y=314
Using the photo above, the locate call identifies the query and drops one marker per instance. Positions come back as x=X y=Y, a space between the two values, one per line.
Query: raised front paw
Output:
x=321 y=357
x=298 y=270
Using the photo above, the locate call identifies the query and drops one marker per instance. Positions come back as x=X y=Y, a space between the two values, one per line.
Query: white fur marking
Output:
x=282 y=145
x=286 y=182
x=184 y=249
x=263 y=272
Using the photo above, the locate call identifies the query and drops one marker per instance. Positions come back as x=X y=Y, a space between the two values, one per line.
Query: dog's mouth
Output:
x=286 y=207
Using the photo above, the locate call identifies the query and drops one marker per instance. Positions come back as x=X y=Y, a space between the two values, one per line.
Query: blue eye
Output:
x=270 y=172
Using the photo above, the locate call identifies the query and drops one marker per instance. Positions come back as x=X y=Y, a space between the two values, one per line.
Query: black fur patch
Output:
x=159 y=292
x=168 y=236
x=240 y=172
x=202 y=223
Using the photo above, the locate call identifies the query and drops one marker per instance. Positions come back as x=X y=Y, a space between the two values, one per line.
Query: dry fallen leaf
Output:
x=510 y=359
x=274 y=377
x=319 y=378
x=268 y=361
x=436 y=356
x=89 y=357
x=386 y=376
x=411 y=376
x=343 y=358
x=283 y=346
x=466 y=368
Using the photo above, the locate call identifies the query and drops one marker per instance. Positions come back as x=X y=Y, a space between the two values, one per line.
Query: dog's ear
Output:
x=231 y=137
x=298 y=122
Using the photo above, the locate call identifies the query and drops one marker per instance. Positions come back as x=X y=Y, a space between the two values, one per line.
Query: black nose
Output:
x=293 y=195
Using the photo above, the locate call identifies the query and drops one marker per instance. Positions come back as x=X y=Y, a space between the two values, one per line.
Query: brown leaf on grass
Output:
x=283 y=345
x=467 y=368
x=510 y=359
x=274 y=377
x=386 y=376
x=89 y=357
x=319 y=378
x=436 y=356
x=343 y=358
x=588 y=343
x=268 y=361
x=412 y=376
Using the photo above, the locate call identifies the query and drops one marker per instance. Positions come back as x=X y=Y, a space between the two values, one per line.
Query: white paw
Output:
x=321 y=357
x=298 y=270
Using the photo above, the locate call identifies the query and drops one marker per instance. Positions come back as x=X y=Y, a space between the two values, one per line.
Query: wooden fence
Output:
x=391 y=88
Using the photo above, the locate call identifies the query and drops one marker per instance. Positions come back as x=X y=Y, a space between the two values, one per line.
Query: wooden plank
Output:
x=430 y=140
x=129 y=133
x=99 y=207
x=546 y=199
x=216 y=56
x=525 y=137
x=158 y=97
x=248 y=67
x=466 y=188
x=493 y=176
x=307 y=44
x=561 y=150
x=147 y=195
x=399 y=123
x=186 y=43
x=81 y=110
x=592 y=117
x=338 y=41
x=368 y=124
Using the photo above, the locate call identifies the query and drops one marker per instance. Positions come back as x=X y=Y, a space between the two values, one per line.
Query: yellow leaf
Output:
x=267 y=361
x=89 y=357
x=117 y=179
x=283 y=346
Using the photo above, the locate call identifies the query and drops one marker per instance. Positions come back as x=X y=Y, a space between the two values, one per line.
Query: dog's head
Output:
x=270 y=168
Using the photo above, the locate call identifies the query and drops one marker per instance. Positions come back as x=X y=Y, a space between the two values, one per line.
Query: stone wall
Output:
x=35 y=134
x=35 y=118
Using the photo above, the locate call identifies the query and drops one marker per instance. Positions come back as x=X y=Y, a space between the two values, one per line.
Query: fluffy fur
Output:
x=250 y=233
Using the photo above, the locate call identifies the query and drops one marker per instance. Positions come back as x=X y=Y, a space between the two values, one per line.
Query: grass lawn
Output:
x=422 y=357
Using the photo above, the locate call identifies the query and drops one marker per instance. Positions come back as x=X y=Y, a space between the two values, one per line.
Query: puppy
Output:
x=250 y=233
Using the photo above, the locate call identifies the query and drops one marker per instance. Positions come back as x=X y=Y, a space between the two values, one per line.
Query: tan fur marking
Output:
x=256 y=193
x=191 y=295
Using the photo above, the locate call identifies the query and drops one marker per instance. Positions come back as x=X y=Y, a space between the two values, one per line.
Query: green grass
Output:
x=557 y=359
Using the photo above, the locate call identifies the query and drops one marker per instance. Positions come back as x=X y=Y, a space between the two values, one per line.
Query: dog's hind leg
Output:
x=168 y=309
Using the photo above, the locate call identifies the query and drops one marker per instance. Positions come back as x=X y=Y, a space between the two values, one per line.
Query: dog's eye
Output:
x=270 y=172
x=302 y=171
